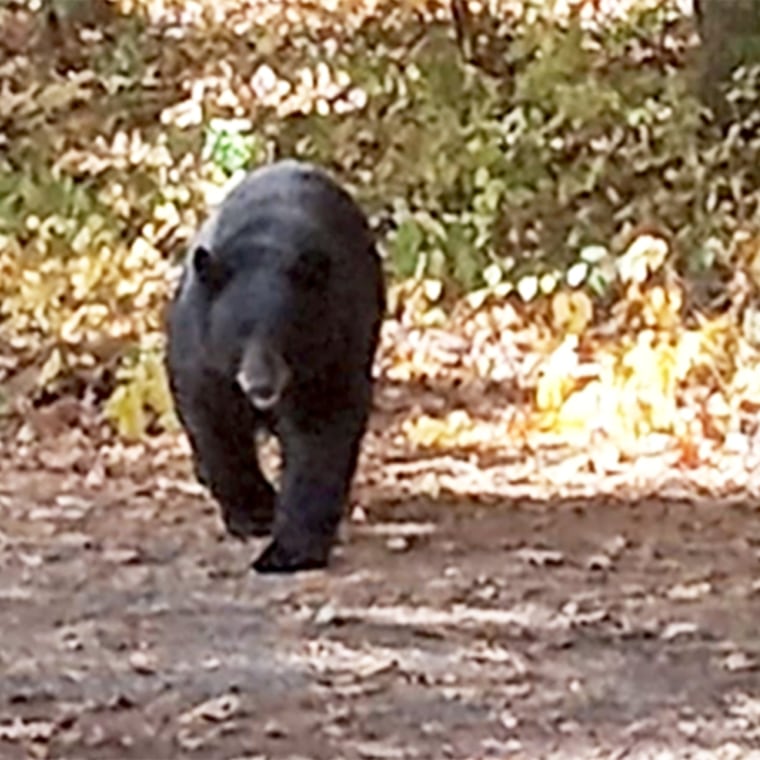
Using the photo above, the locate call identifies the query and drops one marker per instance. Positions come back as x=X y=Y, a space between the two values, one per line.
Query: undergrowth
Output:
x=519 y=155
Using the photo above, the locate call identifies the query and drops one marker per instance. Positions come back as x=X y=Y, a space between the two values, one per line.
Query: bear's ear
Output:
x=311 y=269
x=211 y=272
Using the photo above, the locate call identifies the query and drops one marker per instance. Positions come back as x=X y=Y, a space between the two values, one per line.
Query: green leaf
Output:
x=406 y=246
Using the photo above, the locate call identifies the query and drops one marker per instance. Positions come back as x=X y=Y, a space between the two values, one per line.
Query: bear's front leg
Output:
x=221 y=427
x=246 y=499
x=320 y=462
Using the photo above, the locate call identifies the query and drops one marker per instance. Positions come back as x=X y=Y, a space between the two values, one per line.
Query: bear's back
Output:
x=287 y=207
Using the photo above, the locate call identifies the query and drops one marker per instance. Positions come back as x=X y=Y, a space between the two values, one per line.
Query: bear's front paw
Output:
x=244 y=524
x=248 y=512
x=278 y=558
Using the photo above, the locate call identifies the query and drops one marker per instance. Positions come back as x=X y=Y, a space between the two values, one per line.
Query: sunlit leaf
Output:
x=572 y=312
x=645 y=255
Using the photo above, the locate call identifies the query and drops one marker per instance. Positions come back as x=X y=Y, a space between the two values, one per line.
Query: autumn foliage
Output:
x=560 y=220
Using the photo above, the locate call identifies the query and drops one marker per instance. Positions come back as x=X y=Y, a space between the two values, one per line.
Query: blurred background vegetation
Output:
x=595 y=164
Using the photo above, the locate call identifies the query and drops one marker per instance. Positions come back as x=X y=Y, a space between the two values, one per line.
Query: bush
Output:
x=521 y=154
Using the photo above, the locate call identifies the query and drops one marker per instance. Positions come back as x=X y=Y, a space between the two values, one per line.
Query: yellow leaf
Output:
x=426 y=431
x=555 y=380
x=688 y=350
x=581 y=410
x=125 y=409
x=572 y=312
x=456 y=430
x=662 y=306
x=645 y=255
x=433 y=290
x=51 y=368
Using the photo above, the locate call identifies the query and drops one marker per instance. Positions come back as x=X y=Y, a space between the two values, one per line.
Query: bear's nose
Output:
x=262 y=392
x=264 y=397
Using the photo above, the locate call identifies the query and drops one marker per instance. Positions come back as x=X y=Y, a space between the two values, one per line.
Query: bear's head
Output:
x=266 y=317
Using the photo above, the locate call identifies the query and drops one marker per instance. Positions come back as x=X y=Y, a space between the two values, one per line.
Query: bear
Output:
x=273 y=327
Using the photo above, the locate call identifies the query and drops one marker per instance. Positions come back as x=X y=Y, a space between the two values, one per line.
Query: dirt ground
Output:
x=447 y=627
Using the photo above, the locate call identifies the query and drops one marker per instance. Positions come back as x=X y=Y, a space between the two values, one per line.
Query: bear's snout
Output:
x=263 y=375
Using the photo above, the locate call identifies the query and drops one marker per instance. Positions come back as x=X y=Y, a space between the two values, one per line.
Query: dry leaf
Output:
x=540 y=557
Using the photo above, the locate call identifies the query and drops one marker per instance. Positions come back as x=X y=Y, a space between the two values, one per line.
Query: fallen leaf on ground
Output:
x=540 y=557
x=215 y=710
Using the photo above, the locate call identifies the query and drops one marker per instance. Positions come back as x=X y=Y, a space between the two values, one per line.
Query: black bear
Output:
x=274 y=326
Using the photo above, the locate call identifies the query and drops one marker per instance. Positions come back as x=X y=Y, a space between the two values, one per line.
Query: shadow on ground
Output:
x=132 y=628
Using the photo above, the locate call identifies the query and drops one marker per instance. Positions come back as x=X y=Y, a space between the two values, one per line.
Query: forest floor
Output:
x=531 y=620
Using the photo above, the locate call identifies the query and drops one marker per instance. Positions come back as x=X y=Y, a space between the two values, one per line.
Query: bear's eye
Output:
x=311 y=270
x=211 y=272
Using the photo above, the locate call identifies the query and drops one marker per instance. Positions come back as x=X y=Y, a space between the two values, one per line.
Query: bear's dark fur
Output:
x=274 y=326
